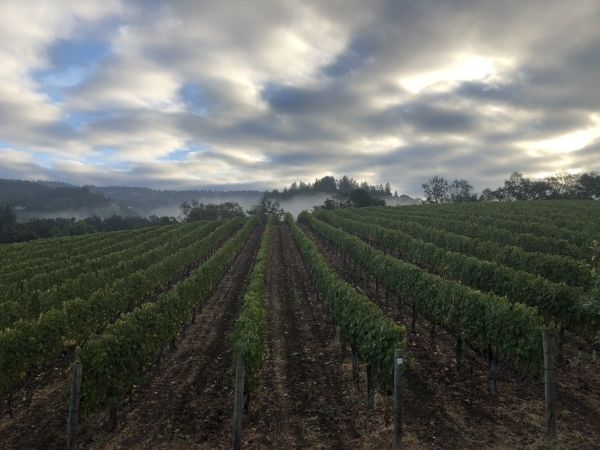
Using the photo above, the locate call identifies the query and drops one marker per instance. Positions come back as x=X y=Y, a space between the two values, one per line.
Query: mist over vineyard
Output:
x=299 y=225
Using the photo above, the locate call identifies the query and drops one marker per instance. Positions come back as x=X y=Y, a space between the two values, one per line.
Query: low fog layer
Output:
x=244 y=201
x=300 y=203
x=103 y=212
x=295 y=206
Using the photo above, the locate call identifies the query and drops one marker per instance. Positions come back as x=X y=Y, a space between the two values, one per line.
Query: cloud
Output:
x=193 y=93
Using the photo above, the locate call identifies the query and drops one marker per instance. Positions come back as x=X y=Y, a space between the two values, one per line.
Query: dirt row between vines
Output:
x=307 y=399
x=184 y=400
x=446 y=408
x=42 y=423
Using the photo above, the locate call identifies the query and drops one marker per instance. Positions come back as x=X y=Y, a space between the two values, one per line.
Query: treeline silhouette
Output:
x=13 y=231
x=562 y=186
x=343 y=186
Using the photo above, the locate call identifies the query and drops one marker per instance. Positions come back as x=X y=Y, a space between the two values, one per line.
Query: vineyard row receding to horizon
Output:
x=499 y=278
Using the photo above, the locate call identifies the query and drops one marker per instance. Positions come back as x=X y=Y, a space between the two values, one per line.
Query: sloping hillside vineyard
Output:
x=284 y=333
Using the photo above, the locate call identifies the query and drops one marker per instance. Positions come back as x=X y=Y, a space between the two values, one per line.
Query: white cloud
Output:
x=293 y=90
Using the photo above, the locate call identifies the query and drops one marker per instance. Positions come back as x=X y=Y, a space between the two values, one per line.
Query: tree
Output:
x=564 y=185
x=517 y=187
x=590 y=185
x=488 y=195
x=338 y=201
x=199 y=211
x=361 y=198
x=266 y=208
x=326 y=184
x=7 y=217
x=540 y=190
x=184 y=210
x=436 y=190
x=461 y=191
x=346 y=185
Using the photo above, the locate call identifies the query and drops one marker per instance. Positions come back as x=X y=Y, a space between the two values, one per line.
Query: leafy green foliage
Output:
x=199 y=211
x=527 y=241
x=557 y=268
x=114 y=361
x=362 y=323
x=36 y=342
x=81 y=275
x=512 y=330
x=265 y=209
x=557 y=301
x=249 y=334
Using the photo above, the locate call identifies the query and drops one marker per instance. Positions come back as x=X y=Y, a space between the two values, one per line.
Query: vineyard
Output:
x=287 y=333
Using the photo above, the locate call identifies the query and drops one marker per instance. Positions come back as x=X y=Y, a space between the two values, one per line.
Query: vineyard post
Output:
x=111 y=424
x=561 y=340
x=398 y=366
x=413 y=326
x=550 y=383
x=238 y=403
x=29 y=387
x=74 y=391
x=370 y=388
x=492 y=372
x=9 y=403
x=355 y=372
x=459 y=351
x=333 y=326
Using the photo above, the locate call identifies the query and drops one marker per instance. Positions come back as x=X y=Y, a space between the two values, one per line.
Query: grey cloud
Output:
x=337 y=104
x=429 y=118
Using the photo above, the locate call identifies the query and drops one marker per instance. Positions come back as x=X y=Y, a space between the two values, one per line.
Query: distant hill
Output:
x=49 y=197
x=55 y=199
x=146 y=201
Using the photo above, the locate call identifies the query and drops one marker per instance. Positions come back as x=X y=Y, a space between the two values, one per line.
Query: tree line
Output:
x=13 y=231
x=343 y=186
x=562 y=186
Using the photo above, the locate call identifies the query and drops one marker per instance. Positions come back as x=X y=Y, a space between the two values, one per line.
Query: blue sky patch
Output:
x=183 y=154
x=74 y=52
x=192 y=96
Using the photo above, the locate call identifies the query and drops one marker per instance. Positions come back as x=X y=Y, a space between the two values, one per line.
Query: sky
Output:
x=239 y=94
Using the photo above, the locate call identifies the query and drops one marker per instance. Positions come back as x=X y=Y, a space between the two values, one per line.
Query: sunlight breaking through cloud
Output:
x=274 y=91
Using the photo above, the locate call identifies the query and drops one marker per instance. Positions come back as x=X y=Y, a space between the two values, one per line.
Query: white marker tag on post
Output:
x=399 y=361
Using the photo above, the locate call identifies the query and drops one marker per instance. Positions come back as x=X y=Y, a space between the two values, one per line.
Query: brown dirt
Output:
x=42 y=425
x=450 y=408
x=306 y=400
x=185 y=401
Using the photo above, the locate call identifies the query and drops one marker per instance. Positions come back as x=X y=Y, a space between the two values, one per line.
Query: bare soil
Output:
x=185 y=400
x=307 y=397
x=42 y=424
x=447 y=407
